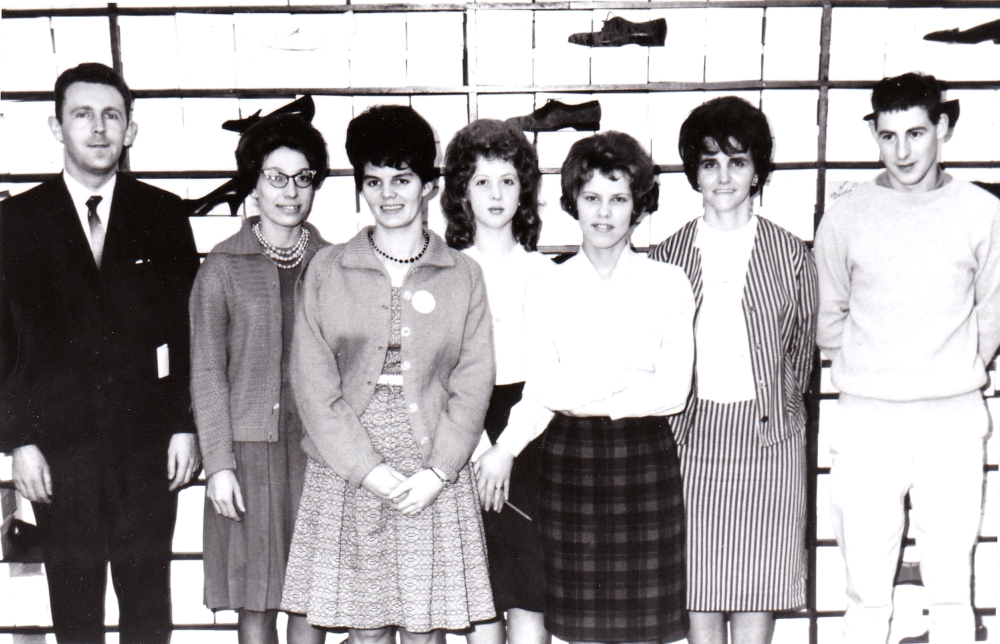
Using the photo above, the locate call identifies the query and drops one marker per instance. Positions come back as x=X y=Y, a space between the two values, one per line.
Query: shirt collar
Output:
x=627 y=261
x=80 y=193
x=515 y=255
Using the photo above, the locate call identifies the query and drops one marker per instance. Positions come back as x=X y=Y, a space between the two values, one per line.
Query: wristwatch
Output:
x=440 y=474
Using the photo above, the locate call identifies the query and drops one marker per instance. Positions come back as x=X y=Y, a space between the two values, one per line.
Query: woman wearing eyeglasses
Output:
x=242 y=312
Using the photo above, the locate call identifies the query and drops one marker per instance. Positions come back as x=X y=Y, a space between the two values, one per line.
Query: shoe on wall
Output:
x=555 y=115
x=619 y=31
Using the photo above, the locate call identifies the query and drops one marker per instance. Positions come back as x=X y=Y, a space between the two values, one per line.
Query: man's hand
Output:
x=32 y=477
x=183 y=459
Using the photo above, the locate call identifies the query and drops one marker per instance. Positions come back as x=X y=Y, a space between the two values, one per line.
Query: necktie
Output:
x=96 y=229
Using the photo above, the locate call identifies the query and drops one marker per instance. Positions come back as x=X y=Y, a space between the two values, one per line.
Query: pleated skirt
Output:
x=356 y=562
x=513 y=542
x=245 y=560
x=611 y=515
x=746 y=513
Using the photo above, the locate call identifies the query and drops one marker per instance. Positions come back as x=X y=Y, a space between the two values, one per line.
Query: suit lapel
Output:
x=67 y=232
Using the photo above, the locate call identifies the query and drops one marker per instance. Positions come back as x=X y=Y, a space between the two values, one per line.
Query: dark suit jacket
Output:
x=779 y=307
x=80 y=355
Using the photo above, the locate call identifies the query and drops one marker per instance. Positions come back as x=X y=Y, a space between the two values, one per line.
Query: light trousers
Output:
x=933 y=450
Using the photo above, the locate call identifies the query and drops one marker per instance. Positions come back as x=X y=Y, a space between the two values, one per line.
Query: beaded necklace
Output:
x=285 y=258
x=409 y=260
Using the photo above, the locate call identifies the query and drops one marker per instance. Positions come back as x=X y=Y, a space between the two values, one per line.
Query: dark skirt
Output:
x=514 y=543
x=611 y=513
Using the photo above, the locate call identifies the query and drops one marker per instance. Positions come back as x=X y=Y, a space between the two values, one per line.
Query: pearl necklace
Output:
x=371 y=240
x=286 y=258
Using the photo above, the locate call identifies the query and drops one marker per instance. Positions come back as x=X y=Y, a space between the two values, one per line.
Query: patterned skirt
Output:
x=355 y=562
x=515 y=544
x=746 y=513
x=611 y=515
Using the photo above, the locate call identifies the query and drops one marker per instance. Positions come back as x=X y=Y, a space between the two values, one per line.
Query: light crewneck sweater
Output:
x=909 y=288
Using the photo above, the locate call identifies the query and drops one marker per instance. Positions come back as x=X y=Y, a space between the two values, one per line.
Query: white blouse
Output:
x=506 y=279
x=620 y=347
x=725 y=372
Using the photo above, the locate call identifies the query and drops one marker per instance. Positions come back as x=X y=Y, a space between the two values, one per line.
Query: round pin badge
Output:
x=423 y=302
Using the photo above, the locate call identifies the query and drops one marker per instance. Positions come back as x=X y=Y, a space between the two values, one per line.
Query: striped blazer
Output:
x=779 y=306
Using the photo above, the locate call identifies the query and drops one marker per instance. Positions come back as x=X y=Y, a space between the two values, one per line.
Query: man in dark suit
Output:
x=95 y=271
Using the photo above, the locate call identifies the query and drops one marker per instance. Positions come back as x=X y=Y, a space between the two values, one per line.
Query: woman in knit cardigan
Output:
x=242 y=310
x=742 y=435
x=393 y=368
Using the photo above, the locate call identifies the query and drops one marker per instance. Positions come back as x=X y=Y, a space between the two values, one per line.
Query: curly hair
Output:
x=393 y=136
x=900 y=93
x=714 y=125
x=279 y=131
x=610 y=153
x=489 y=139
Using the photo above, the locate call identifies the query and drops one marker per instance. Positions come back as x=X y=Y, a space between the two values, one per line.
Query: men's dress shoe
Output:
x=619 y=31
x=555 y=115
x=971 y=36
x=981 y=636
x=304 y=107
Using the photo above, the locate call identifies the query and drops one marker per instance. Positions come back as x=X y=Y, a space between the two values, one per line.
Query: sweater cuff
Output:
x=216 y=462
x=361 y=471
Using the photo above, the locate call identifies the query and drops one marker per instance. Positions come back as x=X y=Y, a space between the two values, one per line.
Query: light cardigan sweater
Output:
x=236 y=324
x=910 y=290
x=341 y=335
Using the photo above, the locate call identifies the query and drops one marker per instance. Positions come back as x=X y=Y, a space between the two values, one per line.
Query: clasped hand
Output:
x=408 y=495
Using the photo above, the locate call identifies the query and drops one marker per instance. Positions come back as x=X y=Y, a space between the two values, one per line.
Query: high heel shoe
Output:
x=555 y=115
x=229 y=193
x=304 y=107
x=619 y=31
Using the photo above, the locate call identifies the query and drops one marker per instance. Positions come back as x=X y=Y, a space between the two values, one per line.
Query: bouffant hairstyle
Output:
x=489 y=139
x=610 y=153
x=91 y=73
x=279 y=131
x=900 y=93
x=393 y=136
x=716 y=125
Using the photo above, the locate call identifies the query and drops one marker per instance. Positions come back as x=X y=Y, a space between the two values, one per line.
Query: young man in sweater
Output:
x=909 y=282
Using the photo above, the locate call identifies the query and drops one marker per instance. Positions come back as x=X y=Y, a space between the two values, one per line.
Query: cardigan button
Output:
x=763 y=419
x=276 y=405
x=405 y=366
x=413 y=407
x=424 y=440
x=405 y=332
x=407 y=296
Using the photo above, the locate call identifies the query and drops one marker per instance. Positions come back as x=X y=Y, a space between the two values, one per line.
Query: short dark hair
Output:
x=610 y=153
x=719 y=122
x=489 y=139
x=392 y=136
x=279 y=131
x=900 y=93
x=92 y=73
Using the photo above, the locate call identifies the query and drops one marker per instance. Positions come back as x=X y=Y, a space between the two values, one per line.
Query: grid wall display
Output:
x=809 y=64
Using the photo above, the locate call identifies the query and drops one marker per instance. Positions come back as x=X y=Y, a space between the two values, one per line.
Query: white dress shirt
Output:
x=506 y=280
x=79 y=193
x=618 y=347
x=725 y=372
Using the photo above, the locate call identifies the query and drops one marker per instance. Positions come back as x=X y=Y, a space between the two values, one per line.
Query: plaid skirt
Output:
x=611 y=514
